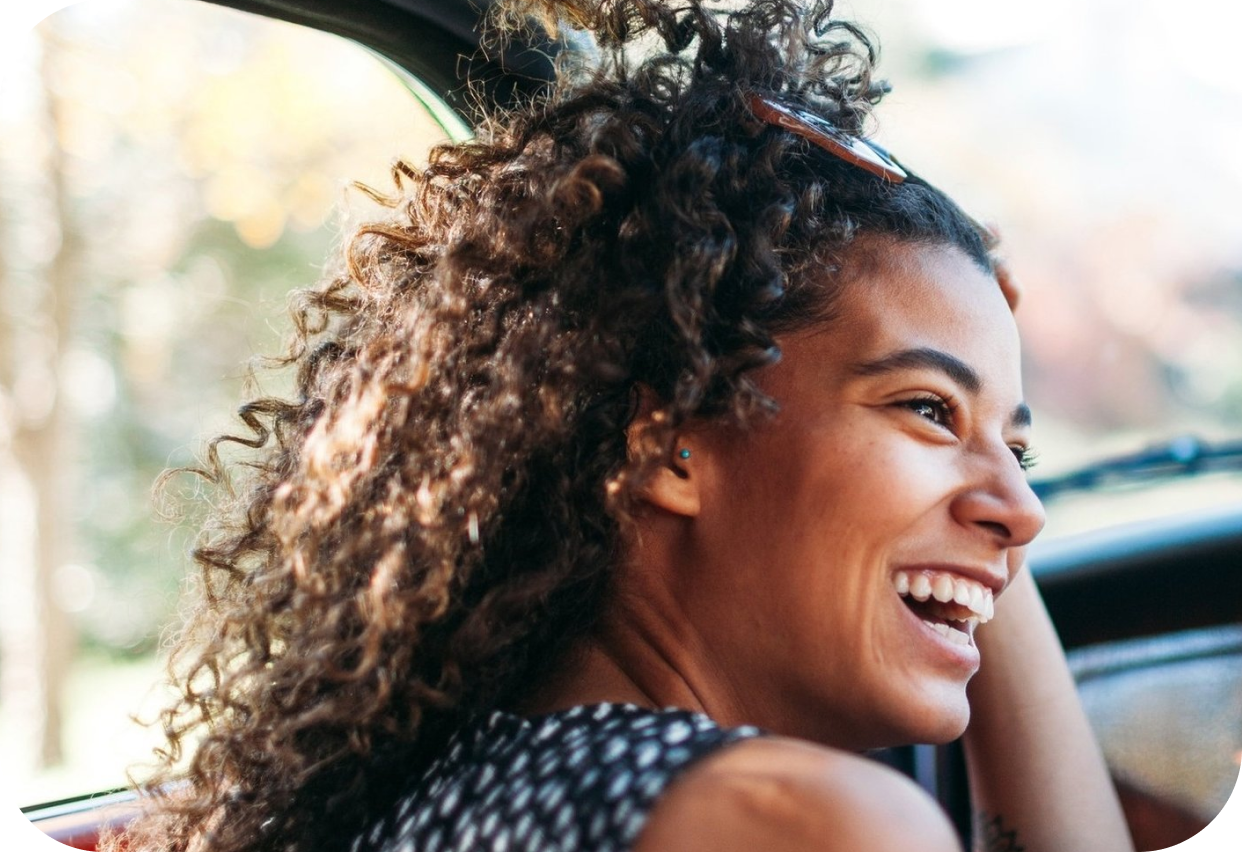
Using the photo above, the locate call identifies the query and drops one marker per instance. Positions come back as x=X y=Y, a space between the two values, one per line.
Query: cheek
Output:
x=873 y=481
x=824 y=504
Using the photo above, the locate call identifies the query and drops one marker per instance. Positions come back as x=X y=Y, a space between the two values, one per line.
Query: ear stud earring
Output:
x=683 y=453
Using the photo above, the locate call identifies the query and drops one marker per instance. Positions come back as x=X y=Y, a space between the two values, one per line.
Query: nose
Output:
x=999 y=501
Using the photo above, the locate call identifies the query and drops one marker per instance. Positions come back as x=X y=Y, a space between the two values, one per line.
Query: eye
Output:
x=932 y=408
x=1027 y=457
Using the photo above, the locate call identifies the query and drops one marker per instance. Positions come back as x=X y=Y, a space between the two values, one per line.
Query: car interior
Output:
x=1150 y=613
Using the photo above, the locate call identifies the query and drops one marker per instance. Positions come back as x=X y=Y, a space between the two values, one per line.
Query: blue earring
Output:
x=684 y=453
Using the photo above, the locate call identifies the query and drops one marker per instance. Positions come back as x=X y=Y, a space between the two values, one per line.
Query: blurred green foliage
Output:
x=205 y=156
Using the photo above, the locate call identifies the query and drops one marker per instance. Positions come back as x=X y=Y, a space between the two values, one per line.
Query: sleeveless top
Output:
x=580 y=780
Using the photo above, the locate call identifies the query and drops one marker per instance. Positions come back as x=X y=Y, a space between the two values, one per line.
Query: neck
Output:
x=623 y=662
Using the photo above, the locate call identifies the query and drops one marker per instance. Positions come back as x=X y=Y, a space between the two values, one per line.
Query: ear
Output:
x=672 y=485
x=1009 y=285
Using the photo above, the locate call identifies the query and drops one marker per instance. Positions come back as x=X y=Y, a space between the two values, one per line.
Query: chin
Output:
x=915 y=725
x=934 y=715
x=926 y=720
x=947 y=731
x=940 y=722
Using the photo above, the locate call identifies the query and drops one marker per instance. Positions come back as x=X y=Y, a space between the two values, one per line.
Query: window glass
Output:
x=1168 y=712
x=1105 y=139
x=169 y=172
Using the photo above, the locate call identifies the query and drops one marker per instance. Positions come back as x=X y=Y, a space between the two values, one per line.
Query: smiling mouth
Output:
x=950 y=605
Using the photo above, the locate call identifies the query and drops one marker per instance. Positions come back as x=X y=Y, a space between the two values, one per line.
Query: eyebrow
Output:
x=1021 y=415
x=935 y=359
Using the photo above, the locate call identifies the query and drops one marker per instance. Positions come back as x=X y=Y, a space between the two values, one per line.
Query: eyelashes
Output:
x=1026 y=456
x=934 y=409
x=940 y=411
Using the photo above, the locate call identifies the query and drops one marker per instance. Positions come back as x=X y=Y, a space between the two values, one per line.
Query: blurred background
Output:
x=170 y=170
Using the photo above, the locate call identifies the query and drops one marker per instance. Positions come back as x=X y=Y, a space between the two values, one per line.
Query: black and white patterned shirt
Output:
x=581 y=780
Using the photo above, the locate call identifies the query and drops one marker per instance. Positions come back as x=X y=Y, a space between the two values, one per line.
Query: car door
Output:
x=1150 y=614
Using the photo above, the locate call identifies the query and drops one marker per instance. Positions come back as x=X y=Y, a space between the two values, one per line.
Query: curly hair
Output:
x=426 y=528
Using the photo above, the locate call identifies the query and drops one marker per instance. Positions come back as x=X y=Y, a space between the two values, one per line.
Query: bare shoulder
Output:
x=785 y=795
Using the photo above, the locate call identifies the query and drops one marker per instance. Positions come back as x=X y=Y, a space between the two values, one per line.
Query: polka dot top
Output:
x=581 y=780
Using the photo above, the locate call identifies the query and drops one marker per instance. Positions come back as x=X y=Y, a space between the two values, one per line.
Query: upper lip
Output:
x=984 y=576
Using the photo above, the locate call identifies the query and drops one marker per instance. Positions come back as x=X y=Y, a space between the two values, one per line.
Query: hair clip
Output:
x=821 y=132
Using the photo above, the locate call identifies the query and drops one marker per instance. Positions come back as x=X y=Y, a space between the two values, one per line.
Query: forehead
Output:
x=897 y=296
x=903 y=295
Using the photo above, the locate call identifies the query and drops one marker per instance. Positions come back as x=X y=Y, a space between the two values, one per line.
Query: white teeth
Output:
x=942 y=588
x=902 y=582
x=961 y=592
x=945 y=587
x=957 y=637
x=920 y=587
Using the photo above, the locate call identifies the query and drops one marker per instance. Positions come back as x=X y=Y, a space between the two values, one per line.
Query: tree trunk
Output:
x=36 y=524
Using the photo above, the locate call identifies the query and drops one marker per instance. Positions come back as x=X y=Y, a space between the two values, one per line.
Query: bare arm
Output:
x=1038 y=780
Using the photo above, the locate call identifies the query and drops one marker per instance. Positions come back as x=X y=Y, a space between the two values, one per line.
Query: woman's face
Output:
x=891 y=473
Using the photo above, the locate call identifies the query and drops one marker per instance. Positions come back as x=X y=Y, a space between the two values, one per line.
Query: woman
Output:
x=661 y=454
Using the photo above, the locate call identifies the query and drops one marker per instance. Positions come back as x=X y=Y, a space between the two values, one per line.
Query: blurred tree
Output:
x=167 y=180
x=36 y=637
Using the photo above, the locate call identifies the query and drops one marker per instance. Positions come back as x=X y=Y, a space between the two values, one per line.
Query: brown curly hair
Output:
x=426 y=528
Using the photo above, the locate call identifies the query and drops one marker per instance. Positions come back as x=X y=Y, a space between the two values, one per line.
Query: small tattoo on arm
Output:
x=991 y=835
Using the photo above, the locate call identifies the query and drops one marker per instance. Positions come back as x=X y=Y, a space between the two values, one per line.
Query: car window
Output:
x=1168 y=713
x=1119 y=219
x=175 y=169
x=170 y=172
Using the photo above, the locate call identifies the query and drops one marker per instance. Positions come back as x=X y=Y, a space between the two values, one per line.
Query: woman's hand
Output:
x=1038 y=780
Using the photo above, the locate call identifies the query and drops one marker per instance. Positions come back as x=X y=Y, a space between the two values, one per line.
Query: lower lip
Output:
x=965 y=657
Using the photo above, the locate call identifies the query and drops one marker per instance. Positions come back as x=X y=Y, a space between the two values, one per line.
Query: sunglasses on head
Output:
x=818 y=131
